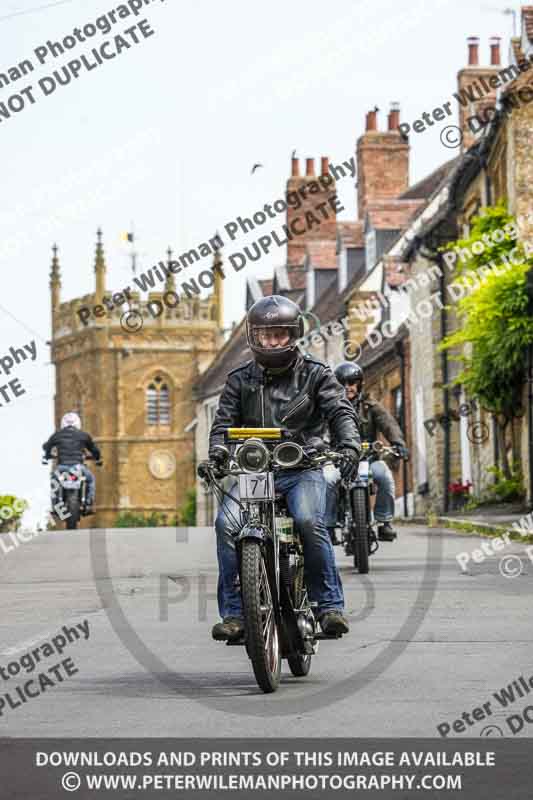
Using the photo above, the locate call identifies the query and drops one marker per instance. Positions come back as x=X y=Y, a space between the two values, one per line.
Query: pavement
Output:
x=494 y=518
x=427 y=641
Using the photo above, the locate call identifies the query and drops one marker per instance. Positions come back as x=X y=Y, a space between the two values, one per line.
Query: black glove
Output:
x=99 y=463
x=402 y=451
x=202 y=470
x=349 y=464
x=219 y=454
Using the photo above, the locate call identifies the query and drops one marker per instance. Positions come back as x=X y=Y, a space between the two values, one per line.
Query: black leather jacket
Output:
x=304 y=399
x=70 y=444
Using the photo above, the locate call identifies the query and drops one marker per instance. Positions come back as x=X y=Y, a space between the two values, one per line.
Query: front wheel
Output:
x=73 y=507
x=262 y=639
x=300 y=663
x=360 y=530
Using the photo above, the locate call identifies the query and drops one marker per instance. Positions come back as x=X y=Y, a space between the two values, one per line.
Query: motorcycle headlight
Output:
x=253 y=456
x=288 y=454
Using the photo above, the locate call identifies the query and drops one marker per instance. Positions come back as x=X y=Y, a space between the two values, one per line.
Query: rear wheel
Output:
x=262 y=639
x=360 y=530
x=73 y=507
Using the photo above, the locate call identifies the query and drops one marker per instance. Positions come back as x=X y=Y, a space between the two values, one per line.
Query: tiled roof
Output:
x=352 y=233
x=425 y=187
x=330 y=304
x=322 y=254
x=392 y=214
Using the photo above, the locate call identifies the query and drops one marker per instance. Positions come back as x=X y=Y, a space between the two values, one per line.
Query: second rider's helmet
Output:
x=349 y=373
x=274 y=312
x=71 y=419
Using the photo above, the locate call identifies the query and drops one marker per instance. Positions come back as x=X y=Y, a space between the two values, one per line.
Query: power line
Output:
x=33 y=10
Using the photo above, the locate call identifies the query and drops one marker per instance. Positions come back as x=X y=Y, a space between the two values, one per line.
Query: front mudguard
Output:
x=259 y=532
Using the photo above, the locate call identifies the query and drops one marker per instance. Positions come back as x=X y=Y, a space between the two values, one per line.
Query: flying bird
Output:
x=255 y=166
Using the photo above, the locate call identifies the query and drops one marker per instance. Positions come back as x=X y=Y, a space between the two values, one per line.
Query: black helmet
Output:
x=274 y=312
x=349 y=372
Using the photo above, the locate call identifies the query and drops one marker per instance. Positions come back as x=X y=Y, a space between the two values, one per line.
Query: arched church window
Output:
x=158 y=402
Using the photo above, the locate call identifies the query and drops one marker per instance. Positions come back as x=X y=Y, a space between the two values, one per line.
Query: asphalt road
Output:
x=427 y=642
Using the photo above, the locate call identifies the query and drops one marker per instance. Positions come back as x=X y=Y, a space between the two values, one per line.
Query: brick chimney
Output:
x=382 y=161
x=316 y=189
x=477 y=87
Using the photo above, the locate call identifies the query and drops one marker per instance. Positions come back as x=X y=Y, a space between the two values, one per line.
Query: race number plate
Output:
x=256 y=486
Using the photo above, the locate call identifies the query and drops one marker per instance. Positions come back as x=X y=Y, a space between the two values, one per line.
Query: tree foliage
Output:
x=12 y=509
x=495 y=328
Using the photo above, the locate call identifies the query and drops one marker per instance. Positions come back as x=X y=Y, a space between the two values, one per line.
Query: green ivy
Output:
x=495 y=329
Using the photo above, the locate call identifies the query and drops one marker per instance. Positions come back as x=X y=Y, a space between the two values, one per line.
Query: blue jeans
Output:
x=305 y=494
x=384 y=508
x=91 y=481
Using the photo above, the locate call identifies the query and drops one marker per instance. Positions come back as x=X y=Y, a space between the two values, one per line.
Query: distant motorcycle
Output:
x=354 y=507
x=72 y=491
x=278 y=616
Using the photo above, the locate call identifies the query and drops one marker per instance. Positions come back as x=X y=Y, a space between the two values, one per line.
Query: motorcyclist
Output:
x=70 y=442
x=282 y=388
x=373 y=419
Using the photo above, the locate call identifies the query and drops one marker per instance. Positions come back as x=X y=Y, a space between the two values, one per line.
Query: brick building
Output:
x=374 y=273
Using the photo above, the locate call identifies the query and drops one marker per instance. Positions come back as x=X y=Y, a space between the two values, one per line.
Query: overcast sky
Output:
x=165 y=136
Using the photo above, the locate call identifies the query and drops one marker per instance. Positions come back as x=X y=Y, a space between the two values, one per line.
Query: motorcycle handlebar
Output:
x=211 y=468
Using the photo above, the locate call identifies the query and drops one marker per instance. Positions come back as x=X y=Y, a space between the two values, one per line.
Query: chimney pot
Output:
x=495 y=51
x=324 y=168
x=372 y=121
x=295 y=167
x=309 y=167
x=394 y=116
x=473 y=50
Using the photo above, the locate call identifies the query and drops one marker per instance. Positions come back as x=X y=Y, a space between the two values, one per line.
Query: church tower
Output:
x=133 y=388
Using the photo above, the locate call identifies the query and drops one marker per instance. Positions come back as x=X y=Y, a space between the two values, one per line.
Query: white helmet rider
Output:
x=71 y=419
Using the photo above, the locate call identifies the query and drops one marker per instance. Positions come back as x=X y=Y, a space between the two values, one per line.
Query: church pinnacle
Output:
x=99 y=268
x=55 y=279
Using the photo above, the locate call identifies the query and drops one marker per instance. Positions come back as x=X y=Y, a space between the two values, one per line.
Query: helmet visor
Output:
x=273 y=337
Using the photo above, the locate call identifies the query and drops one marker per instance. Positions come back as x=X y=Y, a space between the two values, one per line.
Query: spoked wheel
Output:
x=300 y=663
x=360 y=530
x=262 y=637
x=73 y=508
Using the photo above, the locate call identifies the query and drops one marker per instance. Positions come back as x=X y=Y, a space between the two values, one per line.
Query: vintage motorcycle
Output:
x=71 y=491
x=278 y=615
x=354 y=508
